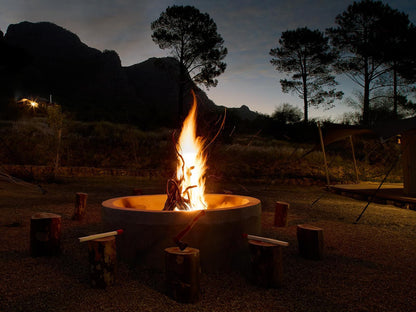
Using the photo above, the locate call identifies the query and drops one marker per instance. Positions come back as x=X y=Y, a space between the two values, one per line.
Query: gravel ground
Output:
x=369 y=266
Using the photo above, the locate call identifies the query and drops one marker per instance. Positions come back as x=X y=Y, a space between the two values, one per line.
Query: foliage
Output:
x=399 y=36
x=287 y=114
x=192 y=38
x=361 y=36
x=306 y=55
x=107 y=145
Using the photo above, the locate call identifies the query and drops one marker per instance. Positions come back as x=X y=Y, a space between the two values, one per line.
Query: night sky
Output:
x=249 y=28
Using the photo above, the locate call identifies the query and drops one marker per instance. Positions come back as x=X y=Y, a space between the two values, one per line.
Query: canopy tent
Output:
x=406 y=128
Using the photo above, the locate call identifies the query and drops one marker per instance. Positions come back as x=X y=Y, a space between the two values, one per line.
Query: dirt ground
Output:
x=369 y=266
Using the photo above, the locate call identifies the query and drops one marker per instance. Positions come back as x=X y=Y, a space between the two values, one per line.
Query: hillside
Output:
x=43 y=59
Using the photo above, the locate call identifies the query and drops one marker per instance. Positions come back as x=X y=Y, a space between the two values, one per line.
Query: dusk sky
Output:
x=250 y=28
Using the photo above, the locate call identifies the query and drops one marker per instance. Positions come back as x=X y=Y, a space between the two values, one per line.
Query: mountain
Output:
x=92 y=85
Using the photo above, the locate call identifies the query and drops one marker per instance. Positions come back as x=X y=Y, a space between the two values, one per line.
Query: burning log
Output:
x=103 y=261
x=175 y=199
x=80 y=206
x=183 y=274
x=280 y=214
x=266 y=264
x=45 y=234
x=310 y=241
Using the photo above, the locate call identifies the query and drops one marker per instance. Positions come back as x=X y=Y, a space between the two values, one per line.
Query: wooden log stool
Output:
x=183 y=274
x=310 y=241
x=103 y=261
x=80 y=206
x=280 y=214
x=266 y=264
x=45 y=234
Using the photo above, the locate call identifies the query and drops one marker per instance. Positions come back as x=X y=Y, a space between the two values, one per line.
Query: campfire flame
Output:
x=191 y=166
x=186 y=190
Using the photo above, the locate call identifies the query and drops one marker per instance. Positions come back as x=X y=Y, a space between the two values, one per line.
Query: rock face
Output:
x=91 y=84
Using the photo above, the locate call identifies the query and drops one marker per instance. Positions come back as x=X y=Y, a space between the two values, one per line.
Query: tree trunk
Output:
x=103 y=261
x=266 y=264
x=366 y=103
x=45 y=234
x=183 y=273
x=310 y=241
x=80 y=206
x=305 y=100
x=181 y=92
x=280 y=214
x=395 y=93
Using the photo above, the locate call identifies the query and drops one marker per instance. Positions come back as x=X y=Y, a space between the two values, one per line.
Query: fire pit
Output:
x=148 y=229
x=152 y=223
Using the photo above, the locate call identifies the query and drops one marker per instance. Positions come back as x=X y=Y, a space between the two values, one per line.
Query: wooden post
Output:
x=80 y=206
x=103 y=260
x=310 y=241
x=45 y=234
x=280 y=213
x=323 y=151
x=409 y=162
x=266 y=264
x=357 y=180
x=183 y=273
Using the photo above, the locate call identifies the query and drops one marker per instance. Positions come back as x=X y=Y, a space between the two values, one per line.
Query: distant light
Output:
x=33 y=104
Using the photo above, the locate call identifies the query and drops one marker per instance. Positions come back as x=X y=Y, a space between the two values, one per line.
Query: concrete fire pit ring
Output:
x=148 y=230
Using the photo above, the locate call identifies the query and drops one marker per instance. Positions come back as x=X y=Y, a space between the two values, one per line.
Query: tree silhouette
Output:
x=306 y=55
x=193 y=40
x=364 y=43
x=287 y=114
x=399 y=36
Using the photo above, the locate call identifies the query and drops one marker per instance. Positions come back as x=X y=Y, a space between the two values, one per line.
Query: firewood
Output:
x=310 y=241
x=266 y=264
x=103 y=261
x=80 y=206
x=280 y=214
x=45 y=234
x=183 y=273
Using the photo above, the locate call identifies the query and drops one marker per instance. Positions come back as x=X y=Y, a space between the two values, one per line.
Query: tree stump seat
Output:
x=183 y=273
x=103 y=261
x=310 y=241
x=266 y=264
x=280 y=214
x=45 y=234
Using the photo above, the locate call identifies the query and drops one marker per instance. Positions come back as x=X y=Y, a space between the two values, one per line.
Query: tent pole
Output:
x=378 y=188
x=355 y=161
x=323 y=151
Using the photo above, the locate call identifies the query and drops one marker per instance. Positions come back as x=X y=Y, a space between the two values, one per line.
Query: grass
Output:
x=243 y=157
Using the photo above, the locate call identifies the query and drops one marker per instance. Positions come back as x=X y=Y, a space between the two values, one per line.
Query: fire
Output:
x=190 y=171
x=185 y=191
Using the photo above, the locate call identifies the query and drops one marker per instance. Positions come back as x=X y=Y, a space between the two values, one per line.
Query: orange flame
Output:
x=192 y=165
